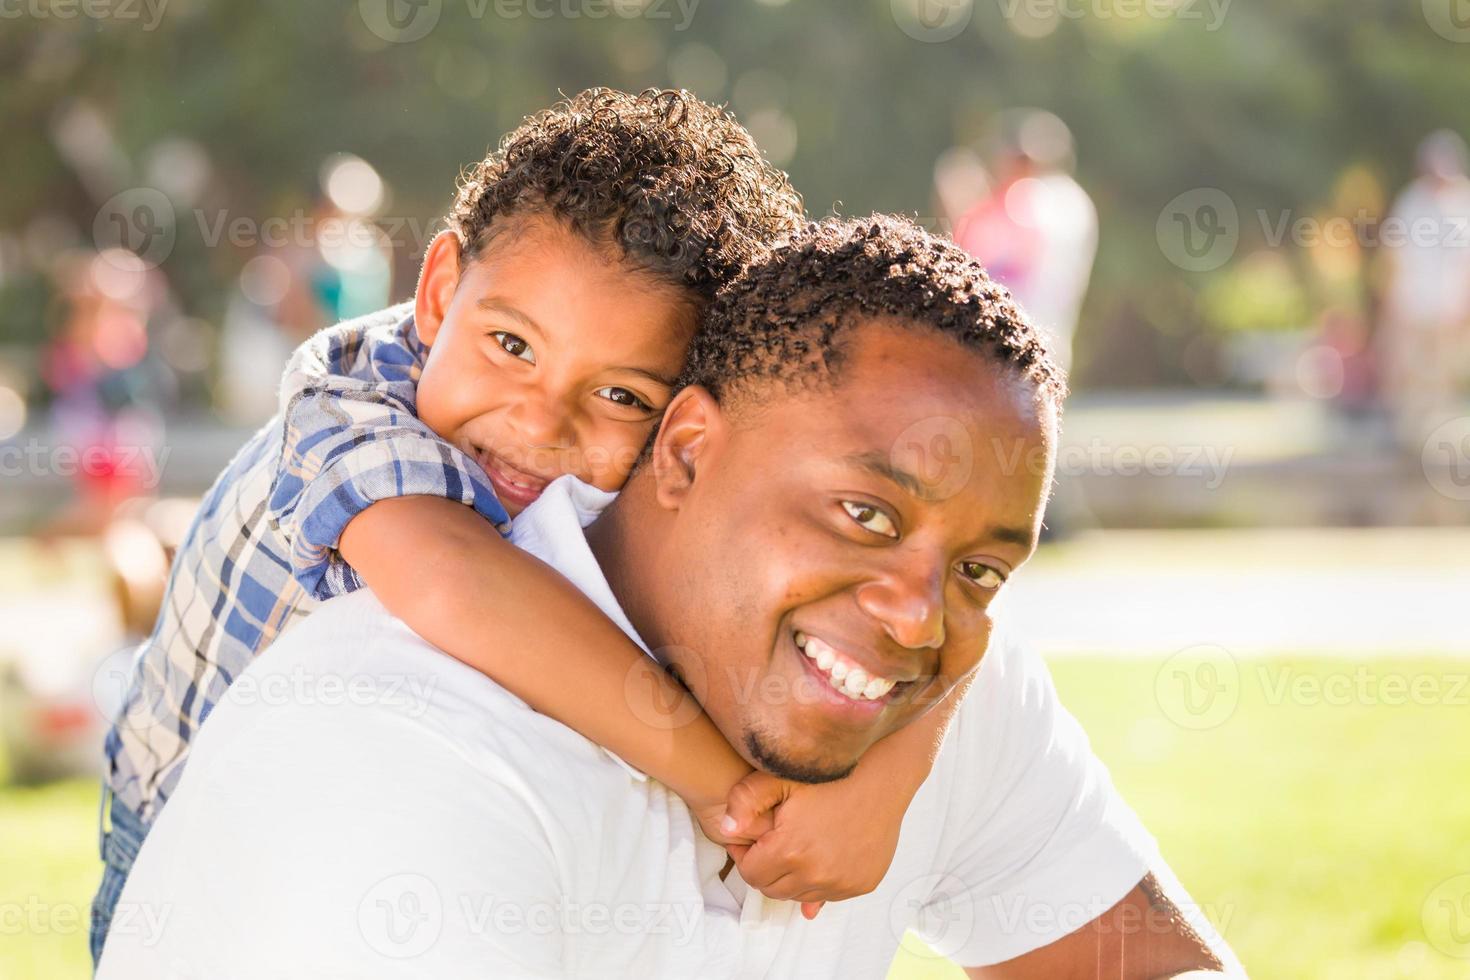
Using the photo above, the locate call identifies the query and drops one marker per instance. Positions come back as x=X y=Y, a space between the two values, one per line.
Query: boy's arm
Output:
x=349 y=438
x=467 y=590
x=800 y=859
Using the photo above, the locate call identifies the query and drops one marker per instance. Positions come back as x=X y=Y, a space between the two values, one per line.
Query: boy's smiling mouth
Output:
x=513 y=485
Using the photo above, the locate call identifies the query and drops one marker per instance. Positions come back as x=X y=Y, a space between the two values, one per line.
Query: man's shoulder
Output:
x=1011 y=679
x=353 y=661
x=1011 y=713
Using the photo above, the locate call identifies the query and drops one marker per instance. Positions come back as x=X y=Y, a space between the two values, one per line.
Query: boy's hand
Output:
x=827 y=842
x=735 y=823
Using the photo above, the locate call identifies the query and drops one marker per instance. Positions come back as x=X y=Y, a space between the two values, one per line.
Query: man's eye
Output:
x=514 y=346
x=622 y=396
x=985 y=576
x=871 y=518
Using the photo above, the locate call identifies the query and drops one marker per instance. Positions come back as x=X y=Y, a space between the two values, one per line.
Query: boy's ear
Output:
x=693 y=425
x=437 y=281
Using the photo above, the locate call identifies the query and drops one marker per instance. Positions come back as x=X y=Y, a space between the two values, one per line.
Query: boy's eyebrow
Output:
x=880 y=465
x=496 y=306
x=662 y=379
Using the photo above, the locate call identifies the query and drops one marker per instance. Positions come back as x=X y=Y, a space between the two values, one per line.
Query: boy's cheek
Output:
x=610 y=464
x=610 y=467
x=431 y=409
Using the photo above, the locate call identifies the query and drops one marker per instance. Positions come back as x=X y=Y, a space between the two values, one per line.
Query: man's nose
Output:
x=909 y=603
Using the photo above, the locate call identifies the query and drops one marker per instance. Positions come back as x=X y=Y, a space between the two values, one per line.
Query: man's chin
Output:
x=787 y=765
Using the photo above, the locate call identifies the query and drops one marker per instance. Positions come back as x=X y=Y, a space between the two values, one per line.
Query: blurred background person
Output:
x=333 y=264
x=108 y=387
x=1035 y=229
x=1423 y=333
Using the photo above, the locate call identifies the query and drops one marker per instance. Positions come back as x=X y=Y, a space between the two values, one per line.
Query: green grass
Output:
x=1315 y=832
x=49 y=869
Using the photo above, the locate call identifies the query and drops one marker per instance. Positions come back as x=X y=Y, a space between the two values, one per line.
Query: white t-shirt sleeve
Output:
x=1039 y=842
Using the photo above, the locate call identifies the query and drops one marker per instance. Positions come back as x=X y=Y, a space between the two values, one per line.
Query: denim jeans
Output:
x=119 y=843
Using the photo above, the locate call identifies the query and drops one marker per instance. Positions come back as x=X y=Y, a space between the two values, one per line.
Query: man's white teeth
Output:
x=846 y=677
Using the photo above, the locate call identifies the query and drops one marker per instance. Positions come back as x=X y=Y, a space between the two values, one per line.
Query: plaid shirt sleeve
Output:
x=352 y=437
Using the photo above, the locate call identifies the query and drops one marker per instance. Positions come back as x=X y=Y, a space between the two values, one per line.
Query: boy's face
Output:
x=546 y=356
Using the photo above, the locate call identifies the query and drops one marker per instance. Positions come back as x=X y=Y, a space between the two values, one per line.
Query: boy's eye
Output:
x=870 y=518
x=985 y=576
x=514 y=346
x=622 y=396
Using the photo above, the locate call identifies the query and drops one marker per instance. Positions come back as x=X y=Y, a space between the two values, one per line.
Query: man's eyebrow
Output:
x=880 y=465
x=496 y=306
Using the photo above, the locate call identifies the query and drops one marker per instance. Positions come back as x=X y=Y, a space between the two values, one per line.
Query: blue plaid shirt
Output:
x=261 y=552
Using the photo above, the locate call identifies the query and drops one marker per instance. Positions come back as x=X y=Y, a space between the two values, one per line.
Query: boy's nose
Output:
x=540 y=424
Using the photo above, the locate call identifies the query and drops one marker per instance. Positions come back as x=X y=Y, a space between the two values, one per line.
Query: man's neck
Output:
x=624 y=540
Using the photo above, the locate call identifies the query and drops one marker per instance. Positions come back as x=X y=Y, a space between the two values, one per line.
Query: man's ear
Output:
x=691 y=426
x=437 y=281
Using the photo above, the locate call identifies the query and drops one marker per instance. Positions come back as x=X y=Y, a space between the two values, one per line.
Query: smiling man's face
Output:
x=829 y=567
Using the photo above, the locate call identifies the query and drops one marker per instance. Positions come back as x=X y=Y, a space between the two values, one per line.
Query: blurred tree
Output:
x=1270 y=103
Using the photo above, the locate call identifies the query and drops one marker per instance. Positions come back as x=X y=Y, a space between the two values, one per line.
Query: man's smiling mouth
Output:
x=842 y=673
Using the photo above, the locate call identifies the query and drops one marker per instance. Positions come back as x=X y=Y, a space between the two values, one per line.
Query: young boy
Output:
x=544 y=337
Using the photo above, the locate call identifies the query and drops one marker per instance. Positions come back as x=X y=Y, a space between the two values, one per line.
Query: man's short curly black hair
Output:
x=782 y=321
x=675 y=184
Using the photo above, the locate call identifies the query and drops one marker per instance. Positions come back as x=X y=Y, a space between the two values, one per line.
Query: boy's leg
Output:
x=121 y=834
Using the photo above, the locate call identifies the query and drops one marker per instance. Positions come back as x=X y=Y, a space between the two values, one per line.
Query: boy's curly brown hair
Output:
x=676 y=185
x=782 y=321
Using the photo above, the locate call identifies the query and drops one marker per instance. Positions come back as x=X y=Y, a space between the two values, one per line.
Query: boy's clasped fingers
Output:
x=750 y=811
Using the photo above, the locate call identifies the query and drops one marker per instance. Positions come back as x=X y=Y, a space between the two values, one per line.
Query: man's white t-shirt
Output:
x=363 y=805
